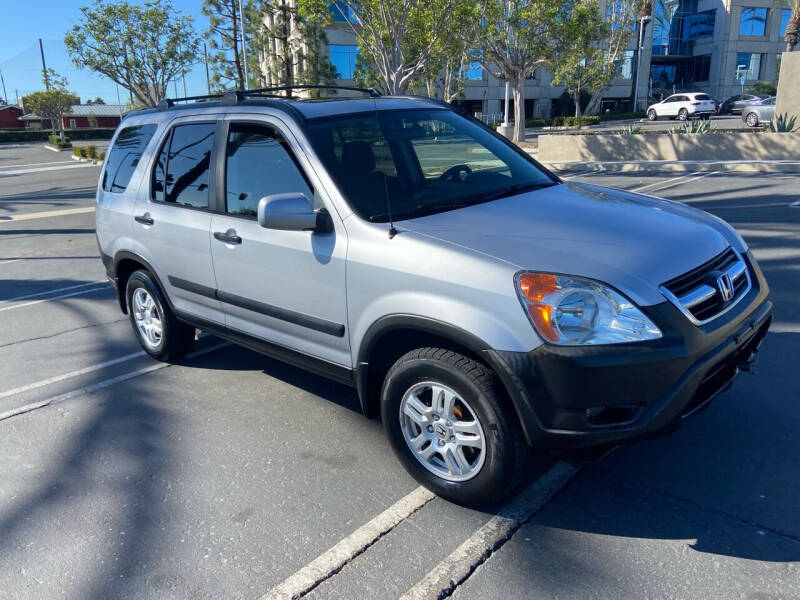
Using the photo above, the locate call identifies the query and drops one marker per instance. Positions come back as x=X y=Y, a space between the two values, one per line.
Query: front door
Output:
x=285 y=287
x=173 y=220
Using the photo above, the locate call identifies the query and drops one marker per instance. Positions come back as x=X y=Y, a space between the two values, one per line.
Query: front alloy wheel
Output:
x=751 y=120
x=451 y=425
x=442 y=431
x=683 y=114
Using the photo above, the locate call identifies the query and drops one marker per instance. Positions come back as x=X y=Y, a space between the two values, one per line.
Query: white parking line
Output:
x=8 y=262
x=41 y=169
x=57 y=162
x=644 y=187
x=444 y=577
x=101 y=384
x=101 y=287
x=53 y=291
x=71 y=374
x=330 y=562
x=45 y=214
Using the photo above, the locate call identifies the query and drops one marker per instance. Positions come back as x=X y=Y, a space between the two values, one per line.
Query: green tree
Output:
x=516 y=37
x=400 y=37
x=621 y=19
x=224 y=35
x=141 y=47
x=52 y=104
x=290 y=44
x=578 y=64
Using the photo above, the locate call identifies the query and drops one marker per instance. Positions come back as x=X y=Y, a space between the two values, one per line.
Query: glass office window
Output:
x=754 y=21
x=343 y=58
x=786 y=14
x=749 y=64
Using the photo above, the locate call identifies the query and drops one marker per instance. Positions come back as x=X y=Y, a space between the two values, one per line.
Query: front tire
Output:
x=450 y=425
x=683 y=114
x=751 y=120
x=159 y=332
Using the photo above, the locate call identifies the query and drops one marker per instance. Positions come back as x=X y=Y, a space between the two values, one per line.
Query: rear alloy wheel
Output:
x=451 y=426
x=683 y=114
x=651 y=114
x=159 y=332
x=751 y=119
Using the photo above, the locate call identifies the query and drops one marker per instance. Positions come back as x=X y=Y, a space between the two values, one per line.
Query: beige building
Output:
x=715 y=46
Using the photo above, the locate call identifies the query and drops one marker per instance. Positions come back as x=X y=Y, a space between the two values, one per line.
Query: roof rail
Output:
x=236 y=96
x=166 y=103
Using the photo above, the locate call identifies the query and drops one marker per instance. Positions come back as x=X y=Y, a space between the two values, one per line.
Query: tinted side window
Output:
x=259 y=163
x=124 y=156
x=181 y=171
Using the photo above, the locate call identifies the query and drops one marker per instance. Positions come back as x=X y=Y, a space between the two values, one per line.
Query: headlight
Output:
x=573 y=311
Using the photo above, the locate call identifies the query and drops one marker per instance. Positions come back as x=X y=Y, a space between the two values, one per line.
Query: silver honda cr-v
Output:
x=481 y=306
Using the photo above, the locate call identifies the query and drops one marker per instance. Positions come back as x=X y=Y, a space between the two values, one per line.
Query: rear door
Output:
x=286 y=287
x=173 y=217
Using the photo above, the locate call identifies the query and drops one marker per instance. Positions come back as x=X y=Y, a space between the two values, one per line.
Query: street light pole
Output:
x=505 y=111
x=644 y=20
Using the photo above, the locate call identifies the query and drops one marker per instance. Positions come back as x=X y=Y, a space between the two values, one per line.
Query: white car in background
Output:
x=683 y=106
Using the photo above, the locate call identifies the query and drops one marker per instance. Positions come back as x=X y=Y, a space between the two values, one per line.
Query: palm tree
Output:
x=792 y=35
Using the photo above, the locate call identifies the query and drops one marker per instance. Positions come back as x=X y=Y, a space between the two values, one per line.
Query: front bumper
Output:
x=571 y=398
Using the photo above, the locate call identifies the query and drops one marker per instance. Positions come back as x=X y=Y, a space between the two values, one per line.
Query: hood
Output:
x=629 y=241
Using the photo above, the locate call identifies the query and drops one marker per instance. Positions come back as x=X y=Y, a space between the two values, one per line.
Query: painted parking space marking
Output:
x=680 y=181
x=43 y=169
x=58 y=162
x=644 y=187
x=87 y=389
x=442 y=579
x=53 y=291
x=102 y=286
x=45 y=214
x=330 y=562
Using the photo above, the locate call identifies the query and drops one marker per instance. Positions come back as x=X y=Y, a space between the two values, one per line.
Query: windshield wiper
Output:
x=518 y=188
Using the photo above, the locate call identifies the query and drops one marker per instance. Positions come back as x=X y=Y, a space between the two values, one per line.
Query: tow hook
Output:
x=748 y=363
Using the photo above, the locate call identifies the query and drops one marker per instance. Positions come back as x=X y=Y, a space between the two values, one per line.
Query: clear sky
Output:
x=25 y=21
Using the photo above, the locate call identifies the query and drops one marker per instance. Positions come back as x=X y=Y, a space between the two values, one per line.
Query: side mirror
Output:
x=292 y=212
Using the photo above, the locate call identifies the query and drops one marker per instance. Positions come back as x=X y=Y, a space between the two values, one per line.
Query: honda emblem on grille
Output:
x=725 y=286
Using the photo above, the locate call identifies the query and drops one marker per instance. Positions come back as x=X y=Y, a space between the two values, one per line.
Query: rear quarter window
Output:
x=702 y=97
x=124 y=156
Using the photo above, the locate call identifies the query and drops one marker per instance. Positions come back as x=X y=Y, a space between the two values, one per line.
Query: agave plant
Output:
x=782 y=124
x=630 y=130
x=694 y=127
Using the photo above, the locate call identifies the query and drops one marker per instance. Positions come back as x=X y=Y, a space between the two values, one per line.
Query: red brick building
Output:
x=9 y=117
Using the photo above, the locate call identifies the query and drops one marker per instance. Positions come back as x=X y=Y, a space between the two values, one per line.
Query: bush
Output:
x=763 y=88
x=91 y=151
x=42 y=135
x=101 y=156
x=84 y=152
x=55 y=140
x=611 y=116
x=76 y=151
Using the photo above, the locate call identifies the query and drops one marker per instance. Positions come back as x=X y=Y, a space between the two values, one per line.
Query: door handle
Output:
x=144 y=219
x=229 y=237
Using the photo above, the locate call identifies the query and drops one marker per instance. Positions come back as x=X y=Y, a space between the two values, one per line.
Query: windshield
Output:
x=422 y=161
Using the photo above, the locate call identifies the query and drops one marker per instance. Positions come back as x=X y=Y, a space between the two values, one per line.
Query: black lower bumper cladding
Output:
x=587 y=396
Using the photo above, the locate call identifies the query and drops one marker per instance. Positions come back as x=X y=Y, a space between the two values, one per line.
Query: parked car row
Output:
x=755 y=110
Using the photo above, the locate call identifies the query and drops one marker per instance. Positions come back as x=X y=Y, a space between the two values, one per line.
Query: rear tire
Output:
x=651 y=115
x=451 y=426
x=159 y=332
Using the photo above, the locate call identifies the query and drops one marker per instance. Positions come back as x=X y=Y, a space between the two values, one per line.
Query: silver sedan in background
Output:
x=759 y=113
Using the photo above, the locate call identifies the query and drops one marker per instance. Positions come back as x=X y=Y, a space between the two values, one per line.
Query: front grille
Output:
x=698 y=293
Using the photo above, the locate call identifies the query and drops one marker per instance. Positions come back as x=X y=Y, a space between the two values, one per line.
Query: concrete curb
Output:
x=679 y=166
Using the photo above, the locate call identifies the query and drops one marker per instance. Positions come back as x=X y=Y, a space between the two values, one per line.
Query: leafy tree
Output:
x=516 y=37
x=621 y=18
x=400 y=37
x=579 y=65
x=225 y=38
x=290 y=44
x=97 y=100
x=141 y=47
x=52 y=104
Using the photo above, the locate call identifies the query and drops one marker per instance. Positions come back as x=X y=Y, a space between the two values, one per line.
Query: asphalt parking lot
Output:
x=225 y=474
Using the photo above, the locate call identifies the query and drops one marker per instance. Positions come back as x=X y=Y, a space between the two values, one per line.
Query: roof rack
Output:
x=236 y=96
